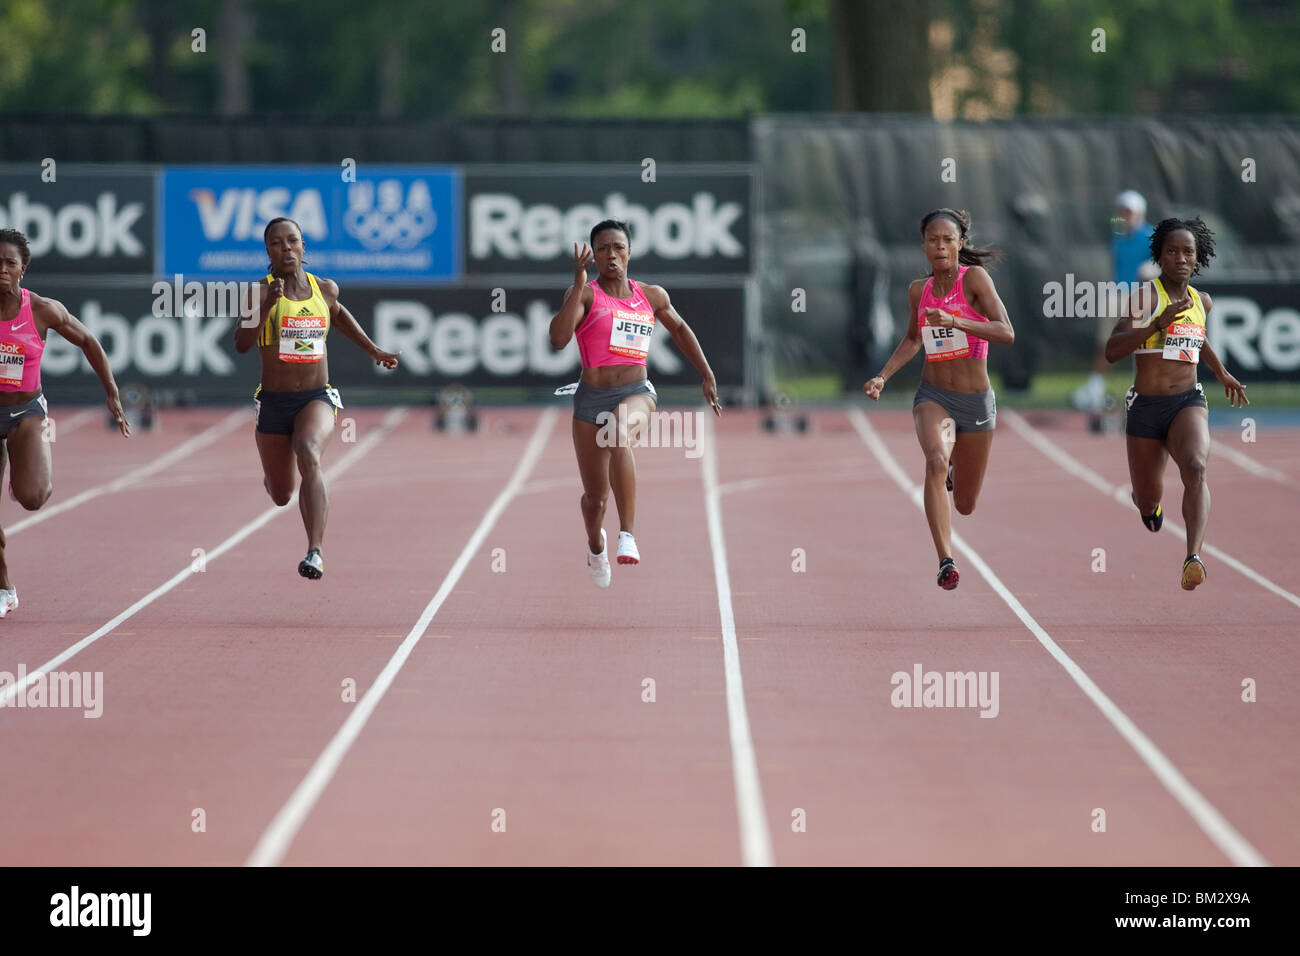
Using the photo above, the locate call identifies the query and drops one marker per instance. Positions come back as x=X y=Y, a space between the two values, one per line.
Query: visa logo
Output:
x=242 y=214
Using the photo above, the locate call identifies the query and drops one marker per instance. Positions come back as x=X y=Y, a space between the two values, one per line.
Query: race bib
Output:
x=12 y=361
x=302 y=338
x=1183 y=342
x=942 y=344
x=630 y=332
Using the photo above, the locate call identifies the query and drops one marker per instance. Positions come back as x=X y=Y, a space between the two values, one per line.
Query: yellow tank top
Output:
x=299 y=326
x=1193 y=315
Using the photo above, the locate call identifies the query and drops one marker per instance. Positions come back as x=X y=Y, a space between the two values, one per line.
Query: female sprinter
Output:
x=613 y=318
x=295 y=404
x=955 y=313
x=1167 y=412
x=24 y=319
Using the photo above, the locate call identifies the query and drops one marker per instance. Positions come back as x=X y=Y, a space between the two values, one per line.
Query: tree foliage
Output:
x=668 y=58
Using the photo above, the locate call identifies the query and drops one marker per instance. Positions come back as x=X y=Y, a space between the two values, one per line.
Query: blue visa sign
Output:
x=391 y=224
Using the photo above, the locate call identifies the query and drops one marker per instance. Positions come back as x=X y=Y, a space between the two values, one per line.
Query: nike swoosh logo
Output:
x=15 y=414
x=15 y=328
x=984 y=421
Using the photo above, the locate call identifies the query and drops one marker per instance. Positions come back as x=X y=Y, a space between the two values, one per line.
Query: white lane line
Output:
x=755 y=838
x=282 y=830
x=1215 y=826
x=179 y=453
x=1248 y=464
x=343 y=464
x=74 y=421
x=1122 y=494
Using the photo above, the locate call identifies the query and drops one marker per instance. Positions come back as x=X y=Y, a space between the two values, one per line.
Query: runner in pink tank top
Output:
x=615 y=320
x=25 y=318
x=954 y=314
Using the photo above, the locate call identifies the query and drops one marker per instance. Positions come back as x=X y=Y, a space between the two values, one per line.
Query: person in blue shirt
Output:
x=1130 y=249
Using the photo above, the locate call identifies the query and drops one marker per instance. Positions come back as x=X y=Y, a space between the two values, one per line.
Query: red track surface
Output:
x=525 y=693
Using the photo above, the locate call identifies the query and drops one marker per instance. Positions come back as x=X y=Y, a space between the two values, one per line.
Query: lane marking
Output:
x=755 y=838
x=1248 y=464
x=1212 y=823
x=281 y=831
x=179 y=453
x=1121 y=494
x=389 y=422
x=77 y=419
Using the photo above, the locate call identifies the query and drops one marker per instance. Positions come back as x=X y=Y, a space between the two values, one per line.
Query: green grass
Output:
x=1049 y=390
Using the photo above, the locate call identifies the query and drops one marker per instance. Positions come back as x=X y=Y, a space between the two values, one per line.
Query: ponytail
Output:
x=968 y=255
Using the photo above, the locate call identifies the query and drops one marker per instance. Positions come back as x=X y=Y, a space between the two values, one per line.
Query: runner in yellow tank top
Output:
x=1164 y=327
x=296 y=406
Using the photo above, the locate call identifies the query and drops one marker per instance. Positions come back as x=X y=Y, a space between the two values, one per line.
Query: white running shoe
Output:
x=8 y=600
x=598 y=564
x=312 y=567
x=627 y=552
x=1091 y=395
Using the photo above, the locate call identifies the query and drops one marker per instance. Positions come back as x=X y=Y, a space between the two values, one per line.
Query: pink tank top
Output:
x=940 y=344
x=616 y=331
x=21 y=347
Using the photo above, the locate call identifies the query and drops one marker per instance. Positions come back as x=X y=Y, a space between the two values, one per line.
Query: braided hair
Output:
x=1201 y=235
x=968 y=255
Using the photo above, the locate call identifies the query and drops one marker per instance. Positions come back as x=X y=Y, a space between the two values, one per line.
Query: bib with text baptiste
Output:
x=12 y=359
x=302 y=338
x=942 y=344
x=1183 y=342
x=630 y=332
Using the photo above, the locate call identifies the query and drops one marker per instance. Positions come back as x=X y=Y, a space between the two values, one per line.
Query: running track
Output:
x=517 y=694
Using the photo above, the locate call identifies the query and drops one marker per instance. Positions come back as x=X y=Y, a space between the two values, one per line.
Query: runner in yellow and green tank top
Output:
x=295 y=404
x=1164 y=327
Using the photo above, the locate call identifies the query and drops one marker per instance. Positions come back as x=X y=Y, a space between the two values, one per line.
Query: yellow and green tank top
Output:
x=299 y=326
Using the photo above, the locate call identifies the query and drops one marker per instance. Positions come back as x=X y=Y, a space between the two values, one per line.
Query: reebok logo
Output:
x=76 y=230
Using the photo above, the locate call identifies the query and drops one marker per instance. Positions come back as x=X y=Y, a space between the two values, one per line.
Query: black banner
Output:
x=527 y=221
x=1255 y=328
x=81 y=220
x=183 y=339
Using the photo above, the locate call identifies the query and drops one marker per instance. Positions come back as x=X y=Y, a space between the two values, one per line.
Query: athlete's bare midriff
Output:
x=1157 y=375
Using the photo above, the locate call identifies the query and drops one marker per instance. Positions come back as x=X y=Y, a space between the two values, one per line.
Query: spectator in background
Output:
x=1130 y=248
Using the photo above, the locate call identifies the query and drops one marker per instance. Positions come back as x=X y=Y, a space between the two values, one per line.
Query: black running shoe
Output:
x=948 y=575
x=1154 y=521
x=312 y=566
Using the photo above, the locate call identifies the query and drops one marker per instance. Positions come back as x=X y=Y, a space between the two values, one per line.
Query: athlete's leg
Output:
x=5 y=583
x=312 y=428
x=29 y=463
x=28 y=455
x=1189 y=446
x=1146 y=472
x=936 y=431
x=970 y=458
x=278 y=475
x=633 y=419
x=593 y=467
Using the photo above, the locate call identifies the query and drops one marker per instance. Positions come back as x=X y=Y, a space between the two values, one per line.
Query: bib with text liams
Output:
x=630 y=333
x=12 y=361
x=1183 y=342
x=302 y=338
x=943 y=344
